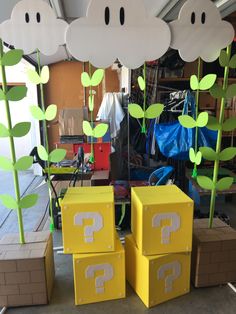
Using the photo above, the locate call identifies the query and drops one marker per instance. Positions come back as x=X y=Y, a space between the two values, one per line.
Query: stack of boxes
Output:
x=159 y=249
x=88 y=228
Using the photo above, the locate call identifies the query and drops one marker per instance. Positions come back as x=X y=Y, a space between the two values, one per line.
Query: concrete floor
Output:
x=216 y=300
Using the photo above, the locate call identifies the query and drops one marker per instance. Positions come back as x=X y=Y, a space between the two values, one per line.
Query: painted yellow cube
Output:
x=162 y=220
x=88 y=220
x=157 y=278
x=99 y=277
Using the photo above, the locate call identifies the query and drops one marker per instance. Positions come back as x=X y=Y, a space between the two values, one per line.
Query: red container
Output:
x=102 y=153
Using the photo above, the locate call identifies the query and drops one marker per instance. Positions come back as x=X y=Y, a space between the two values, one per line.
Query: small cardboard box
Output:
x=26 y=271
x=99 y=277
x=214 y=254
x=71 y=121
x=162 y=219
x=88 y=220
x=159 y=278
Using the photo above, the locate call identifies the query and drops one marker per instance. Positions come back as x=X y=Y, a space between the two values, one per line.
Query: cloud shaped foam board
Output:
x=200 y=31
x=117 y=29
x=34 y=25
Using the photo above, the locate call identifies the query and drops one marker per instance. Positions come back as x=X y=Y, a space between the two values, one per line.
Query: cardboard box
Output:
x=162 y=219
x=214 y=254
x=99 y=277
x=159 y=278
x=71 y=121
x=88 y=220
x=26 y=271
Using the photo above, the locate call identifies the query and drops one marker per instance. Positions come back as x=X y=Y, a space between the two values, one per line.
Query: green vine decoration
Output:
x=202 y=119
x=152 y=112
x=44 y=115
x=90 y=80
x=17 y=93
x=220 y=92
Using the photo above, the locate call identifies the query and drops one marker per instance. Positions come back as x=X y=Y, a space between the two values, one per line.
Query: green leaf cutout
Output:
x=33 y=77
x=227 y=154
x=6 y=164
x=12 y=57
x=37 y=113
x=85 y=79
x=231 y=91
x=217 y=91
x=2 y=95
x=45 y=75
x=202 y=119
x=87 y=129
x=97 y=77
x=195 y=158
x=51 y=112
x=194 y=82
x=207 y=82
x=141 y=83
x=8 y=201
x=224 y=59
x=208 y=153
x=16 y=93
x=136 y=111
x=224 y=184
x=154 y=111
x=232 y=63
x=24 y=163
x=21 y=129
x=43 y=155
x=229 y=125
x=57 y=155
x=28 y=201
x=91 y=103
x=100 y=130
x=187 y=121
x=213 y=124
x=3 y=131
x=205 y=183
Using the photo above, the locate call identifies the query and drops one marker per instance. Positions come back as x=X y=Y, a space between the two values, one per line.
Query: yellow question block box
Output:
x=162 y=220
x=157 y=278
x=88 y=220
x=100 y=277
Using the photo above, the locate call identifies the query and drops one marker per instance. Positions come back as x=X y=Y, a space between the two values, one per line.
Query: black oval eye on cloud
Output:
x=122 y=16
x=203 y=18
x=27 y=18
x=107 y=15
x=38 y=17
x=193 y=18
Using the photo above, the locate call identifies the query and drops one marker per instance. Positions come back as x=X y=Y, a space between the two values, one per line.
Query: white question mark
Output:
x=100 y=280
x=166 y=230
x=89 y=230
x=176 y=273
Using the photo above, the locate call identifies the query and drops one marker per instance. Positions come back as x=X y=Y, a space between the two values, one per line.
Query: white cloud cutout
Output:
x=101 y=38
x=200 y=31
x=34 y=25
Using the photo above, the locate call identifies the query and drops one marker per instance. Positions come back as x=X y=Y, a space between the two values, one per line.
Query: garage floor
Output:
x=217 y=300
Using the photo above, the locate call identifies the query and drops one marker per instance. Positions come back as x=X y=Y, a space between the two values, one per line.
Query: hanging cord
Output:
x=91 y=159
x=195 y=173
x=144 y=129
x=49 y=183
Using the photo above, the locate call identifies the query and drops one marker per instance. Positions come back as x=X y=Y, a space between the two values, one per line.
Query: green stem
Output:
x=144 y=97
x=91 y=116
x=52 y=227
x=13 y=151
x=194 y=175
x=219 y=141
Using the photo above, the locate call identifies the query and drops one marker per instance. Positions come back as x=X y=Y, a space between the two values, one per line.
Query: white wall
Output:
x=126 y=79
x=20 y=112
